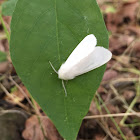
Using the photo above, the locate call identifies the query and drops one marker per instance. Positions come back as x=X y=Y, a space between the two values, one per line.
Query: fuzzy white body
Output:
x=84 y=58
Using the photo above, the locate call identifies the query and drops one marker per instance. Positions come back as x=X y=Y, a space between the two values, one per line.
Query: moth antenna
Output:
x=53 y=67
x=64 y=88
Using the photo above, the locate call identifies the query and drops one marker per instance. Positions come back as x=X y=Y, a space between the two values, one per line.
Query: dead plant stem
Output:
x=39 y=118
x=112 y=115
x=12 y=98
x=24 y=94
x=118 y=128
x=132 y=104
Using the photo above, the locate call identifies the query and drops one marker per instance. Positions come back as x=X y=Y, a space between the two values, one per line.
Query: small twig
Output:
x=116 y=125
x=111 y=115
x=39 y=118
x=102 y=121
x=132 y=103
x=12 y=98
x=117 y=94
x=32 y=103
x=131 y=70
x=107 y=131
x=131 y=110
x=21 y=90
x=129 y=47
x=114 y=81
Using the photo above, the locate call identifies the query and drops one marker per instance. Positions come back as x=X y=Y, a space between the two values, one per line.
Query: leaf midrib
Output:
x=57 y=32
x=59 y=58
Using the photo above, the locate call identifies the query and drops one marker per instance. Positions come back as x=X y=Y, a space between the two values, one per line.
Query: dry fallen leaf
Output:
x=109 y=75
x=33 y=130
x=117 y=42
x=3 y=67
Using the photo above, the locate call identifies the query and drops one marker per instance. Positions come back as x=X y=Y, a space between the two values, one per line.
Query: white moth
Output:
x=84 y=58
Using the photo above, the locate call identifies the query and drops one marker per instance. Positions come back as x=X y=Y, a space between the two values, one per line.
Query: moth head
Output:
x=65 y=73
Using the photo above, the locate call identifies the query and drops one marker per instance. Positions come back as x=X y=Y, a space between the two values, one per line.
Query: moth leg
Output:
x=64 y=88
x=53 y=67
x=62 y=80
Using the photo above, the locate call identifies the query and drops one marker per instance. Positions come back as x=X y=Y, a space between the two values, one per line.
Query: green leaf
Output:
x=49 y=30
x=8 y=7
x=3 y=56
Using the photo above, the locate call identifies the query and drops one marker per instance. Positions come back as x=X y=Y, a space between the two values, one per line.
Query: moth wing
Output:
x=97 y=58
x=84 y=48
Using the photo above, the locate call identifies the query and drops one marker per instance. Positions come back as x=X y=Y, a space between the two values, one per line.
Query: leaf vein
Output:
x=73 y=34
